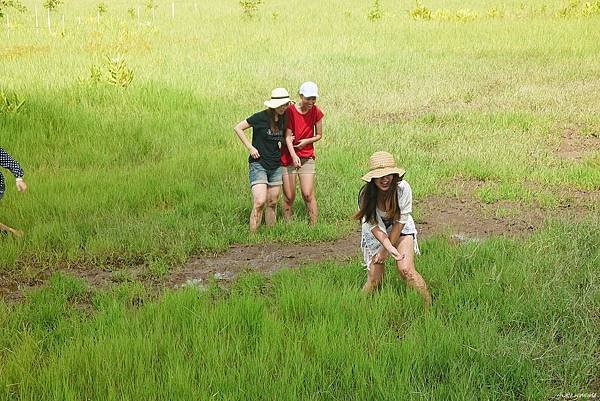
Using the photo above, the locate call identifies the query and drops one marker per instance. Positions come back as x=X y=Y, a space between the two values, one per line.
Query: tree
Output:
x=51 y=5
x=6 y=4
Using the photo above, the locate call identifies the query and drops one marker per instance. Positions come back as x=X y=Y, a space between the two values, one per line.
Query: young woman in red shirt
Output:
x=304 y=128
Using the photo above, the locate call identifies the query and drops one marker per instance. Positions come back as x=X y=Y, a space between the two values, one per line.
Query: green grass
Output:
x=153 y=173
x=510 y=321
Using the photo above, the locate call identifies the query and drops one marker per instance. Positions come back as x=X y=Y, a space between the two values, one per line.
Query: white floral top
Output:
x=369 y=244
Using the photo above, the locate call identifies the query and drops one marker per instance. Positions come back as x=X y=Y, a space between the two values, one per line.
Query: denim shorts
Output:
x=259 y=175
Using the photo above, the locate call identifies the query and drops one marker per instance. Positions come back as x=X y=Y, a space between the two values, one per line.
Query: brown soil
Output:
x=460 y=219
x=576 y=146
x=265 y=258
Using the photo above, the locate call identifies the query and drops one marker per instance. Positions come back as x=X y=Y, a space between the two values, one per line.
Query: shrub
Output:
x=4 y=4
x=375 y=12
x=420 y=12
x=118 y=72
x=250 y=7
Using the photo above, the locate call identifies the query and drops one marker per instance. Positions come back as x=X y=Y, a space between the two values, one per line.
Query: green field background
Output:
x=153 y=173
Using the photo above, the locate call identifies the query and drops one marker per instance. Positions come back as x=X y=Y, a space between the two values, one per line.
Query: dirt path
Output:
x=265 y=258
x=459 y=219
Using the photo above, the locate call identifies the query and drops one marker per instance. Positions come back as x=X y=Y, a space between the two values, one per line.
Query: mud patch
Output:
x=576 y=146
x=464 y=216
x=460 y=218
x=264 y=258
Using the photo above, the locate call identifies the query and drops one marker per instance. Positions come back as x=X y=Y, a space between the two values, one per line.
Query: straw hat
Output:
x=279 y=97
x=382 y=164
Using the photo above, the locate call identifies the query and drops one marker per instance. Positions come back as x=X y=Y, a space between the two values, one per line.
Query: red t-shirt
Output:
x=302 y=126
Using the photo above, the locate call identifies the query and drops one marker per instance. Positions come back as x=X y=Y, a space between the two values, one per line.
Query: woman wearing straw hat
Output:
x=304 y=128
x=264 y=156
x=14 y=167
x=388 y=229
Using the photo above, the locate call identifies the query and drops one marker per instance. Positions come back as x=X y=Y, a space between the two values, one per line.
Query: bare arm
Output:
x=383 y=238
x=395 y=233
x=239 y=130
x=317 y=137
x=289 y=142
x=394 y=238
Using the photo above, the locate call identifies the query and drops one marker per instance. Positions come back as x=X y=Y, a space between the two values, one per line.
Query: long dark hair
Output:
x=282 y=120
x=368 y=196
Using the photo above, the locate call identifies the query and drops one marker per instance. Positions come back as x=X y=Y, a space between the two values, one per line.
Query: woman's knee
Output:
x=375 y=275
x=308 y=197
x=407 y=270
x=259 y=203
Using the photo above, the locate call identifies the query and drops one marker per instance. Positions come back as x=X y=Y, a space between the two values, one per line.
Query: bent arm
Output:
x=289 y=142
x=11 y=164
x=239 y=130
x=395 y=233
x=318 y=131
x=318 y=135
x=383 y=238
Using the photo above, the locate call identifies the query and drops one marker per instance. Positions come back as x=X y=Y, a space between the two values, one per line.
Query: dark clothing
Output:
x=8 y=162
x=267 y=143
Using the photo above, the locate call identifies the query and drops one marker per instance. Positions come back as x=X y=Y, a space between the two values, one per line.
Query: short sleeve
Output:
x=318 y=115
x=255 y=119
x=404 y=201
x=290 y=118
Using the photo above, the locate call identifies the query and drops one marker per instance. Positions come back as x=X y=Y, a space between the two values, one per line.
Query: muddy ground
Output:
x=459 y=218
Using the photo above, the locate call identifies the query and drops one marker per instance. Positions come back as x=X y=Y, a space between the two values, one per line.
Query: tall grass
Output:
x=511 y=321
x=154 y=171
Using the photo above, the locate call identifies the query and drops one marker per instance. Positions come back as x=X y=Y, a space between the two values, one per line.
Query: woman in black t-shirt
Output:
x=265 y=169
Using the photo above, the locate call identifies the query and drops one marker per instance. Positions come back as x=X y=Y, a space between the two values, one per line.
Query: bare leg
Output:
x=11 y=230
x=259 y=199
x=271 y=210
x=374 y=277
x=307 y=186
x=406 y=268
x=289 y=195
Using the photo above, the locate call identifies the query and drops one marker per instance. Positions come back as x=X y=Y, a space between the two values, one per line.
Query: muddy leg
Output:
x=374 y=277
x=16 y=233
x=406 y=268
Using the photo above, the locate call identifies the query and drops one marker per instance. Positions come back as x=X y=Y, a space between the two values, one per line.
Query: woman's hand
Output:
x=297 y=161
x=254 y=152
x=397 y=255
x=301 y=144
x=21 y=185
x=380 y=256
x=387 y=244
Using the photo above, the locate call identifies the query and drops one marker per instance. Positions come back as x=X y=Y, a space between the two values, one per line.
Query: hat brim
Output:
x=275 y=103
x=381 y=172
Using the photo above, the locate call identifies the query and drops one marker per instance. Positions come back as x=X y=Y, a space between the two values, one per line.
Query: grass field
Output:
x=152 y=173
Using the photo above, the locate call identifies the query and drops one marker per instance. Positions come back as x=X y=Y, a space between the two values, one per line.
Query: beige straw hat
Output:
x=382 y=164
x=279 y=97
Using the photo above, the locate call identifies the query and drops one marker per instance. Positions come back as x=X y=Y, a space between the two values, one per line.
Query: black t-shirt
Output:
x=265 y=141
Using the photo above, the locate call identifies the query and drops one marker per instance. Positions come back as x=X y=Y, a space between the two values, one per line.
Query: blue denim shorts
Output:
x=259 y=175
